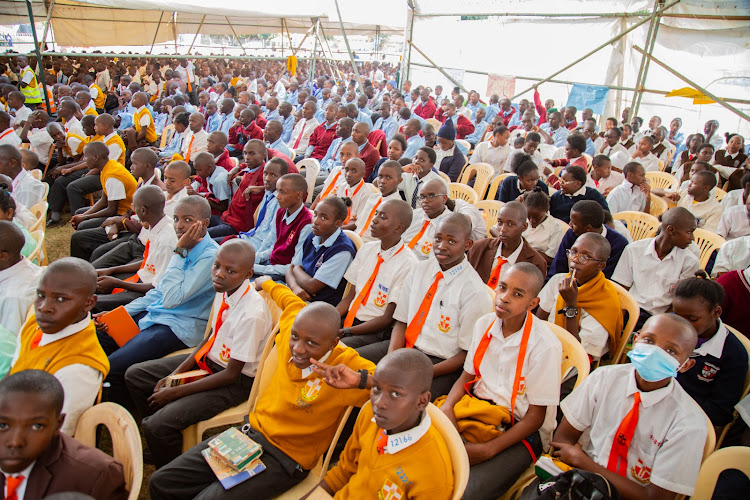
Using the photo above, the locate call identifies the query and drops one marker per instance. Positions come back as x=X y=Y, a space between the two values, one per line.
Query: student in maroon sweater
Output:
x=323 y=135
x=216 y=145
x=425 y=109
x=242 y=131
x=366 y=151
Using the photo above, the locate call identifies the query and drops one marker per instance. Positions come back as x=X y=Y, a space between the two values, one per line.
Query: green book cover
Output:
x=235 y=448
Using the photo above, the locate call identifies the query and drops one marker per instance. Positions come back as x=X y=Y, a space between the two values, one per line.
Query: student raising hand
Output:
x=339 y=376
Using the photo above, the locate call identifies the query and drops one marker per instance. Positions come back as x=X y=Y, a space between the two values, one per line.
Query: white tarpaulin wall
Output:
x=92 y=23
x=703 y=40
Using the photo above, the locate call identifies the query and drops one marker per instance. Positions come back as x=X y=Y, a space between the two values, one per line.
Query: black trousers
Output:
x=86 y=239
x=163 y=427
x=119 y=252
x=189 y=476
x=58 y=190
x=80 y=188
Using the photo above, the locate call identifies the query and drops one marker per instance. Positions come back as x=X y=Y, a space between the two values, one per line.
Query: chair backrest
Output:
x=312 y=169
x=235 y=161
x=489 y=210
x=707 y=242
x=662 y=180
x=640 y=225
x=46 y=191
x=36 y=174
x=444 y=176
x=456 y=449
x=574 y=355
x=658 y=206
x=734 y=457
x=462 y=192
x=356 y=239
x=746 y=344
x=126 y=441
x=40 y=212
x=435 y=123
x=36 y=256
x=166 y=135
x=484 y=172
x=466 y=144
x=662 y=166
x=720 y=193
x=627 y=303
x=495 y=185
x=49 y=159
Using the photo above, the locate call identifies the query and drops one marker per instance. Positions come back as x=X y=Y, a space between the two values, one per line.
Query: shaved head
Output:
x=239 y=247
x=81 y=272
x=600 y=243
x=437 y=186
x=412 y=365
x=196 y=205
x=457 y=220
x=146 y=155
x=678 y=216
x=676 y=325
x=517 y=208
x=530 y=270
x=106 y=120
x=321 y=317
x=151 y=197
x=11 y=240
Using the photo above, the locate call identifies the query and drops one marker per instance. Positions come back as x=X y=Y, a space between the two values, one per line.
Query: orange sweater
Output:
x=421 y=471
x=300 y=415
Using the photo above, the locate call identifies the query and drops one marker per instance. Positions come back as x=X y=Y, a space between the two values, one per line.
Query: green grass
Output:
x=58 y=240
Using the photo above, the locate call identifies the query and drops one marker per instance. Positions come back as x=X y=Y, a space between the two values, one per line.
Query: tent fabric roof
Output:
x=79 y=23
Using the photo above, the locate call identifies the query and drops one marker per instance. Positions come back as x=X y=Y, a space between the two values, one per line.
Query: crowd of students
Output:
x=220 y=180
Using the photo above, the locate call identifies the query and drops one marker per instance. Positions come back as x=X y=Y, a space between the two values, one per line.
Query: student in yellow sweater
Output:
x=143 y=131
x=118 y=187
x=295 y=418
x=395 y=451
x=60 y=337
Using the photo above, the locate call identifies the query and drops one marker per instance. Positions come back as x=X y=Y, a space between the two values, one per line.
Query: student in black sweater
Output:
x=573 y=189
x=526 y=178
x=717 y=378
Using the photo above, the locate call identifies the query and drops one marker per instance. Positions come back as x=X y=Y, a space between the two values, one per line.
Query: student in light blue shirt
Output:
x=343 y=135
x=213 y=118
x=292 y=93
x=271 y=109
x=287 y=121
x=473 y=105
x=273 y=137
x=214 y=180
x=226 y=115
x=160 y=121
x=173 y=315
x=553 y=130
x=386 y=122
x=493 y=109
x=413 y=139
x=480 y=126
x=181 y=123
x=265 y=223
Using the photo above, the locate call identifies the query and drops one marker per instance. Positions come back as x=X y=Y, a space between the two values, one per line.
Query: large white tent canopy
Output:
x=91 y=23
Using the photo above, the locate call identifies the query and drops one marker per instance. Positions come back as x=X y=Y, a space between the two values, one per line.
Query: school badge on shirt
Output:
x=291 y=237
x=522 y=386
x=445 y=324
x=389 y=491
x=311 y=389
x=708 y=372
x=380 y=299
x=225 y=353
x=640 y=472
x=427 y=248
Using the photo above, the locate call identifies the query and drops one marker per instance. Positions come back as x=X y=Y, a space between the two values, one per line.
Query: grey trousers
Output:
x=163 y=428
x=123 y=250
x=108 y=301
x=492 y=478
x=189 y=476
x=79 y=188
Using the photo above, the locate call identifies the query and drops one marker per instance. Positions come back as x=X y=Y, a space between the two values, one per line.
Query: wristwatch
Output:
x=569 y=312
x=346 y=332
x=182 y=252
x=363 y=382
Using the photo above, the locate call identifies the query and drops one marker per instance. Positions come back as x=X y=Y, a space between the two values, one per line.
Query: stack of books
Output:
x=185 y=378
x=547 y=467
x=233 y=457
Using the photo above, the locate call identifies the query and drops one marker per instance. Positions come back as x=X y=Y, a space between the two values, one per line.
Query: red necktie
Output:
x=618 y=455
x=495 y=276
x=299 y=137
x=382 y=441
x=36 y=338
x=12 y=483
x=415 y=327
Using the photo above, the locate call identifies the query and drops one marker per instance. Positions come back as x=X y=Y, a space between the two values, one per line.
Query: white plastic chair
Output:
x=312 y=169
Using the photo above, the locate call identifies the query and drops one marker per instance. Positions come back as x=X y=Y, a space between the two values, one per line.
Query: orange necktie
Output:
x=418 y=235
x=190 y=146
x=331 y=185
x=369 y=217
x=415 y=327
x=135 y=278
x=618 y=455
x=346 y=193
x=495 y=276
x=36 y=338
x=12 y=483
x=382 y=441
x=200 y=356
x=189 y=85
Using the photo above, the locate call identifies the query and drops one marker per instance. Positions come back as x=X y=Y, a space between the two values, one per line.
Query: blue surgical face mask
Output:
x=652 y=362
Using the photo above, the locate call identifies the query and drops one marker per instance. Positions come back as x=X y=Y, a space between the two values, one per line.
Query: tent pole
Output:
x=449 y=77
x=174 y=30
x=289 y=37
x=335 y=65
x=406 y=50
x=156 y=33
x=282 y=37
x=47 y=21
x=650 y=49
x=196 y=34
x=311 y=76
x=235 y=35
x=38 y=53
x=349 y=49
x=641 y=70
x=597 y=49
x=294 y=51
x=690 y=82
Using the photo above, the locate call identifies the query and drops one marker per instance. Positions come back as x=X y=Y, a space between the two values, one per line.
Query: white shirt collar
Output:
x=580 y=192
x=19 y=267
x=715 y=345
x=388 y=254
x=513 y=257
x=402 y=440
x=328 y=242
x=48 y=338
x=649 y=398
x=306 y=372
x=628 y=185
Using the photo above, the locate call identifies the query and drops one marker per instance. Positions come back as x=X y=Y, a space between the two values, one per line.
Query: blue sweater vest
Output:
x=312 y=259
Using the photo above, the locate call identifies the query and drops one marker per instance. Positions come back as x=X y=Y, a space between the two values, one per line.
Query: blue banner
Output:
x=588 y=96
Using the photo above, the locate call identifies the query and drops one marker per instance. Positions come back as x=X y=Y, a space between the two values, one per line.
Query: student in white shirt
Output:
x=7 y=134
x=613 y=149
x=196 y=139
x=18 y=279
x=733 y=255
x=303 y=130
x=444 y=330
x=666 y=450
x=602 y=177
x=17 y=109
x=176 y=182
x=231 y=354
x=377 y=275
x=495 y=151
x=737 y=196
x=735 y=222
x=650 y=269
x=26 y=189
x=389 y=176
x=644 y=156
x=490 y=377
x=633 y=194
x=435 y=207
x=135 y=279
x=544 y=233
x=355 y=189
x=565 y=297
x=697 y=198
x=411 y=183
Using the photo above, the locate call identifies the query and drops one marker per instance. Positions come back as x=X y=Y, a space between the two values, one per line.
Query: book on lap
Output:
x=120 y=325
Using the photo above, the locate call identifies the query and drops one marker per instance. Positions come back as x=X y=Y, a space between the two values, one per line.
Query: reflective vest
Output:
x=31 y=91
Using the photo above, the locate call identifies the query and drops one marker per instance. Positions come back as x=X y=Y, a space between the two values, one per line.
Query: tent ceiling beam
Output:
x=653 y=29
x=445 y=74
x=597 y=49
x=156 y=33
x=697 y=87
x=235 y=35
x=349 y=49
x=593 y=14
x=197 y=32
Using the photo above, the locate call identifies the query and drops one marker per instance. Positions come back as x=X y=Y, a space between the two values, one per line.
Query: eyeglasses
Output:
x=583 y=259
x=431 y=196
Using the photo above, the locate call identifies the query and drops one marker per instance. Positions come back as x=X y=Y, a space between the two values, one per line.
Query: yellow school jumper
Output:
x=116 y=170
